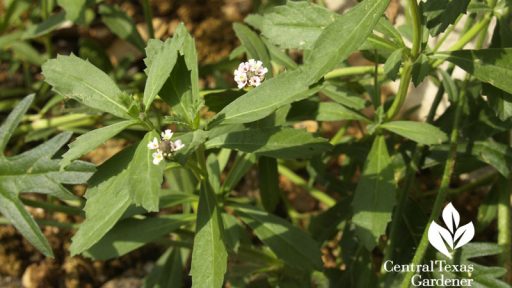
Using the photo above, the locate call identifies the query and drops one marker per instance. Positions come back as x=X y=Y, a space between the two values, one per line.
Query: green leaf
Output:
x=52 y=23
x=78 y=79
x=262 y=101
x=392 y=65
x=12 y=209
x=343 y=97
x=242 y=164
x=121 y=24
x=268 y=183
x=181 y=90
x=285 y=143
x=167 y=271
x=75 y=10
x=144 y=177
x=449 y=86
x=209 y=255
x=160 y=61
x=34 y=171
x=90 y=140
x=25 y=52
x=422 y=133
x=440 y=14
x=233 y=232
x=420 y=69
x=296 y=24
x=330 y=111
x=108 y=197
x=13 y=120
x=131 y=233
x=292 y=245
x=488 y=65
x=375 y=195
x=343 y=36
x=495 y=154
x=253 y=44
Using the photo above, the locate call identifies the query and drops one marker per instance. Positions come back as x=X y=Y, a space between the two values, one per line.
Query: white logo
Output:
x=454 y=237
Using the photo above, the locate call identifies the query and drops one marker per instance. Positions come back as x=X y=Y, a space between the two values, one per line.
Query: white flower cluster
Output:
x=165 y=148
x=250 y=73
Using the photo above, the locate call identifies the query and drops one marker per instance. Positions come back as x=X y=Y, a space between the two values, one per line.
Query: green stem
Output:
x=405 y=80
x=467 y=37
x=353 y=71
x=446 y=34
x=443 y=189
x=416 y=28
x=148 y=16
x=504 y=237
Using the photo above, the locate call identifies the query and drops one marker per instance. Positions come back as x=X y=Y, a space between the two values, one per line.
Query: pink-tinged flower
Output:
x=167 y=135
x=152 y=145
x=178 y=145
x=158 y=156
x=250 y=73
x=255 y=81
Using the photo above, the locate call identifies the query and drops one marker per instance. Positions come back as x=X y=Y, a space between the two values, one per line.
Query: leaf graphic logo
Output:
x=447 y=240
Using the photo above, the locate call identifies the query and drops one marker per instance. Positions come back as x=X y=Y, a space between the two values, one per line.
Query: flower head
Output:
x=158 y=156
x=164 y=148
x=167 y=134
x=250 y=73
x=153 y=144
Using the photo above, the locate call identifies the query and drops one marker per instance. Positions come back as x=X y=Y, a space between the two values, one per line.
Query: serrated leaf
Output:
x=12 y=209
x=108 y=197
x=440 y=14
x=420 y=69
x=289 y=243
x=160 y=64
x=13 y=120
x=392 y=65
x=422 y=133
x=285 y=143
x=260 y=102
x=296 y=24
x=144 y=177
x=209 y=255
x=491 y=65
x=131 y=233
x=90 y=140
x=375 y=195
x=340 y=38
x=121 y=24
x=34 y=171
x=78 y=79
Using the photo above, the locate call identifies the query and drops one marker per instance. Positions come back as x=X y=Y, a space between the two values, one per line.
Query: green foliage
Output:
x=34 y=171
x=374 y=198
x=75 y=78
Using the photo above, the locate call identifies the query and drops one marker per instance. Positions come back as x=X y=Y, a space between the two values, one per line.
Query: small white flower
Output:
x=167 y=134
x=152 y=145
x=158 y=156
x=178 y=145
x=255 y=81
x=250 y=73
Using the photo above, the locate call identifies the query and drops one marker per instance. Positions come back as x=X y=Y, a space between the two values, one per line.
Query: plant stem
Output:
x=416 y=28
x=443 y=189
x=504 y=237
x=406 y=76
x=353 y=71
x=148 y=16
x=56 y=122
x=467 y=37
x=405 y=80
x=53 y=207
